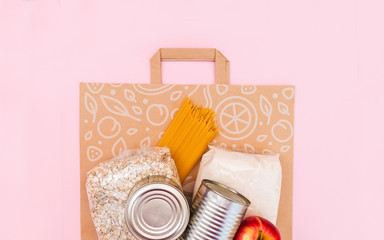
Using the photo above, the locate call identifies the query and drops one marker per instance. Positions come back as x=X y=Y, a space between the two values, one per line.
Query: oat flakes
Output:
x=109 y=184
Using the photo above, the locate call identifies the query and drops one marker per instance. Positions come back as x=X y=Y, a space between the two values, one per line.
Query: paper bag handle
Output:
x=190 y=54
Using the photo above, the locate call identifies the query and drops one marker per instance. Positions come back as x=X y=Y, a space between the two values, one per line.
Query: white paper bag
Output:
x=256 y=176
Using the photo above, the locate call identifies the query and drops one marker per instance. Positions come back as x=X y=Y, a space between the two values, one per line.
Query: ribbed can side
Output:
x=215 y=216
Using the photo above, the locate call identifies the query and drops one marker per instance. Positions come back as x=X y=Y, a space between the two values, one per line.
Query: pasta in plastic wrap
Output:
x=109 y=184
x=256 y=176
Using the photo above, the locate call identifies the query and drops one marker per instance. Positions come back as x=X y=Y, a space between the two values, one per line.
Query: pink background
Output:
x=332 y=50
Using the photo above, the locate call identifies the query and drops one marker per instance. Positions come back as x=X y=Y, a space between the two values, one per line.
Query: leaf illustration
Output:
x=176 y=95
x=283 y=108
x=132 y=131
x=95 y=87
x=137 y=110
x=267 y=151
x=285 y=148
x=94 y=153
x=146 y=142
x=288 y=93
x=119 y=147
x=91 y=106
x=129 y=95
x=266 y=108
x=221 y=89
x=116 y=107
x=249 y=148
x=261 y=137
x=88 y=135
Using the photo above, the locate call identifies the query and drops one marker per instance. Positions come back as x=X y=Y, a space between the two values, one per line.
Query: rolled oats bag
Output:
x=108 y=186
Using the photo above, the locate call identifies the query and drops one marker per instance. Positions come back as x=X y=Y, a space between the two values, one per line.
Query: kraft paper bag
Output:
x=251 y=118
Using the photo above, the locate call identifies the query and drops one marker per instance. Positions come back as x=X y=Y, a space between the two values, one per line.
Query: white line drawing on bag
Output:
x=249 y=148
x=174 y=111
x=237 y=115
x=132 y=131
x=95 y=87
x=137 y=110
x=153 y=91
x=115 y=84
x=283 y=108
x=288 y=93
x=163 y=112
x=146 y=142
x=261 y=137
x=114 y=129
x=235 y=118
x=175 y=95
x=119 y=146
x=94 y=153
x=248 y=89
x=275 y=96
x=221 y=89
x=116 y=107
x=285 y=148
x=286 y=125
x=91 y=105
x=129 y=95
x=267 y=151
x=207 y=96
x=193 y=91
x=88 y=135
x=266 y=108
x=223 y=145
x=161 y=135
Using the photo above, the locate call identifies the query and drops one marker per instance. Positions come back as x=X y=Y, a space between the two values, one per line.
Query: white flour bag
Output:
x=256 y=176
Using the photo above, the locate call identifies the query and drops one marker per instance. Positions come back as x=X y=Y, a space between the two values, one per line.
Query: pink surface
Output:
x=332 y=50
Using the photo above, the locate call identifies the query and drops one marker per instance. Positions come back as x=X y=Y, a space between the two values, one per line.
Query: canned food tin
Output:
x=156 y=209
x=217 y=212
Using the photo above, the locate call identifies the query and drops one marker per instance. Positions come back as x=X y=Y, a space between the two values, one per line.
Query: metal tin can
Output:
x=217 y=212
x=156 y=209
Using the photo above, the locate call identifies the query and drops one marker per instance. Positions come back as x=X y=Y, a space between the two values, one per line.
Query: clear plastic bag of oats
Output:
x=137 y=195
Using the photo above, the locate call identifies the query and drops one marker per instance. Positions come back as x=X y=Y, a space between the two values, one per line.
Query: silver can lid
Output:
x=226 y=192
x=157 y=211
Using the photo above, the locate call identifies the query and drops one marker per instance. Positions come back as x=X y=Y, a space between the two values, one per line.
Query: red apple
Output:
x=257 y=228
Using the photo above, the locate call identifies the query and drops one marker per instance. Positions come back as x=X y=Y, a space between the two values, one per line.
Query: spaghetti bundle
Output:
x=188 y=135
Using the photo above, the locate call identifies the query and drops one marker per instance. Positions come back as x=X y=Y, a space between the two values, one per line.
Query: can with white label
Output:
x=217 y=212
x=156 y=209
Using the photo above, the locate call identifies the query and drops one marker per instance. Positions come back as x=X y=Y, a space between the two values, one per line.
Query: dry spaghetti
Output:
x=188 y=135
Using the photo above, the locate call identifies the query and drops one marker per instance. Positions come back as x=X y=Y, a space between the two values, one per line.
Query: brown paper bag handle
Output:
x=190 y=54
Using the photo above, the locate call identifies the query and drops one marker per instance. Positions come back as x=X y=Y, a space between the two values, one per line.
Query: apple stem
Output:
x=260 y=237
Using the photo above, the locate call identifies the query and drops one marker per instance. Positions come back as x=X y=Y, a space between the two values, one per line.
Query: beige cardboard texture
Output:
x=115 y=117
